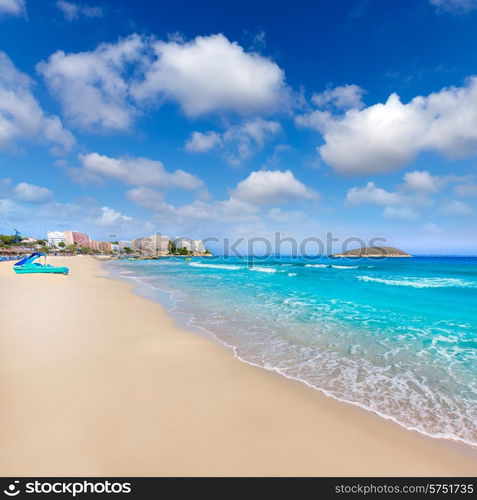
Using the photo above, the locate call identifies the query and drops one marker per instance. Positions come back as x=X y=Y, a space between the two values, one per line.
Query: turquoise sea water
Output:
x=395 y=336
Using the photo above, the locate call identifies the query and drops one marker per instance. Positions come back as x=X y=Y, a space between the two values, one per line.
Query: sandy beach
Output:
x=97 y=381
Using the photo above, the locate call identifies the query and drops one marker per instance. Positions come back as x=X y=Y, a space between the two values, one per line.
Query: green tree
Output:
x=7 y=239
x=62 y=244
x=172 y=248
x=85 y=250
x=128 y=250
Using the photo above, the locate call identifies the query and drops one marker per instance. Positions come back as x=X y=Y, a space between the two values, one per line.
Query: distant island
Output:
x=373 y=252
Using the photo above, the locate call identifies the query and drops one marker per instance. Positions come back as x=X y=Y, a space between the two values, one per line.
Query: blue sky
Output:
x=191 y=118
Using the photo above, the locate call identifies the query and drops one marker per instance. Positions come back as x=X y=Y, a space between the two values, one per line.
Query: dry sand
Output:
x=96 y=381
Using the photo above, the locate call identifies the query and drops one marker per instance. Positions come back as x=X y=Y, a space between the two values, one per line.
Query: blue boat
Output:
x=29 y=266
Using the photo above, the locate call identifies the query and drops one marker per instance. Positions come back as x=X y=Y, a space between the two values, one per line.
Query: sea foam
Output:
x=263 y=269
x=421 y=282
x=215 y=266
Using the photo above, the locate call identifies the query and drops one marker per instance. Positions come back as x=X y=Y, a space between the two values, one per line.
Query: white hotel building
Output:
x=55 y=238
x=196 y=246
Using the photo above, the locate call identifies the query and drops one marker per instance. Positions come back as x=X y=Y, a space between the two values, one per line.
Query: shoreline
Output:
x=177 y=403
x=167 y=302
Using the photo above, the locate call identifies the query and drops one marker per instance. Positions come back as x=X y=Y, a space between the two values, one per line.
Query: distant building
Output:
x=198 y=246
x=126 y=244
x=95 y=245
x=101 y=246
x=186 y=243
x=29 y=241
x=55 y=238
x=72 y=237
x=139 y=244
x=156 y=245
x=162 y=244
x=106 y=246
x=195 y=246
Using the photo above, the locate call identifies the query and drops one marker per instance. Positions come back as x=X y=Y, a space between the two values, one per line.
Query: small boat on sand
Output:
x=29 y=266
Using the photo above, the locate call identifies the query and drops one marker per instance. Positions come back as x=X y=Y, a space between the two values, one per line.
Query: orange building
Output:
x=106 y=246
x=72 y=237
x=101 y=246
x=95 y=245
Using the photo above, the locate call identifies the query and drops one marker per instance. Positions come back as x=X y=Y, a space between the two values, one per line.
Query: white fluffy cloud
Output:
x=371 y=195
x=212 y=74
x=238 y=142
x=410 y=197
x=92 y=86
x=258 y=189
x=188 y=215
x=21 y=116
x=107 y=87
x=267 y=187
x=412 y=193
x=12 y=7
x=31 y=193
x=247 y=204
x=341 y=97
x=154 y=200
x=72 y=11
x=111 y=217
x=454 y=6
x=138 y=171
x=422 y=182
x=383 y=137
x=201 y=142
x=24 y=192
